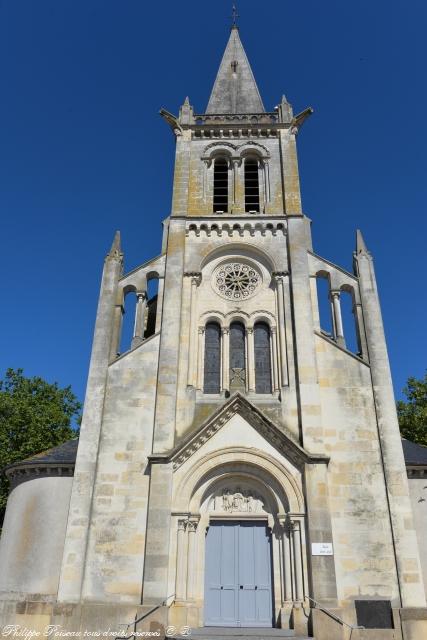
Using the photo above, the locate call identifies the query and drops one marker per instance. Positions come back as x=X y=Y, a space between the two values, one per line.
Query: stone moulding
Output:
x=284 y=442
x=219 y=228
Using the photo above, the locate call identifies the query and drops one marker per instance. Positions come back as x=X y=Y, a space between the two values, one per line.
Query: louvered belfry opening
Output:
x=220 y=191
x=212 y=378
x=251 y=186
x=262 y=358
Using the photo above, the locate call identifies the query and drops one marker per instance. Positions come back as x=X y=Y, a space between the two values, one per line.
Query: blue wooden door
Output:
x=238 y=589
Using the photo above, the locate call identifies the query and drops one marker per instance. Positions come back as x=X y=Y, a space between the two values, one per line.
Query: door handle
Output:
x=241 y=586
x=221 y=587
x=256 y=586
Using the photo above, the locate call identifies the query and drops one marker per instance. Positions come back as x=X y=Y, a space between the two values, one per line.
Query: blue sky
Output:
x=83 y=150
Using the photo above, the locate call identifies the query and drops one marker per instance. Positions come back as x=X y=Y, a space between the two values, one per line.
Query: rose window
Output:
x=236 y=280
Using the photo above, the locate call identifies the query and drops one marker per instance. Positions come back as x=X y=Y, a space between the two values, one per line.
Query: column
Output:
x=279 y=275
x=296 y=544
x=225 y=359
x=200 y=357
x=117 y=328
x=181 y=562
x=286 y=562
x=339 y=330
x=360 y=330
x=138 y=329
x=192 y=564
x=251 y=359
x=195 y=281
x=274 y=359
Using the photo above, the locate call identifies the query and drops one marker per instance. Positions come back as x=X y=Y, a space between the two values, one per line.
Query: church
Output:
x=238 y=467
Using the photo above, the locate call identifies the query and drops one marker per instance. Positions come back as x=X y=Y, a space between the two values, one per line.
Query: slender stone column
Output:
x=195 y=281
x=275 y=359
x=225 y=359
x=278 y=275
x=360 y=330
x=117 y=329
x=296 y=542
x=138 y=329
x=251 y=359
x=191 y=565
x=287 y=564
x=181 y=560
x=200 y=357
x=339 y=330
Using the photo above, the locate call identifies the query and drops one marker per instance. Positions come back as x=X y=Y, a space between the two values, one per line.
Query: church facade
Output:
x=237 y=465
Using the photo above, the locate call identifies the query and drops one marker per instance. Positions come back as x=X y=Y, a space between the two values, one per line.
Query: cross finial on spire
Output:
x=234 y=17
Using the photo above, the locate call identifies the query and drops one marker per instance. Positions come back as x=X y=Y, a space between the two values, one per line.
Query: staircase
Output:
x=240 y=633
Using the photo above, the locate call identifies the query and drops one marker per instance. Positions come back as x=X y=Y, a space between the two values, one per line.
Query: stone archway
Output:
x=240 y=485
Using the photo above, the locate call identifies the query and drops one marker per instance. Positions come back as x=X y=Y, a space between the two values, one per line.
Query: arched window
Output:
x=237 y=356
x=212 y=383
x=220 y=186
x=262 y=358
x=251 y=185
x=152 y=295
x=351 y=334
x=324 y=302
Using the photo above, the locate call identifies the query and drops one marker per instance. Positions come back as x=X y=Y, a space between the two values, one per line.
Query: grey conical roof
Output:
x=235 y=89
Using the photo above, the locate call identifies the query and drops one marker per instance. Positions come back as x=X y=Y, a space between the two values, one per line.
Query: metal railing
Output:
x=142 y=617
x=334 y=616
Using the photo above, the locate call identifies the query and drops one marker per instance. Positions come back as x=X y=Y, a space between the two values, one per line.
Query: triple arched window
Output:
x=233 y=367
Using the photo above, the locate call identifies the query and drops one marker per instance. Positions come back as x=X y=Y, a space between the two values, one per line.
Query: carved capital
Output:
x=196 y=277
x=273 y=330
x=192 y=526
x=279 y=275
x=201 y=330
x=225 y=331
x=181 y=525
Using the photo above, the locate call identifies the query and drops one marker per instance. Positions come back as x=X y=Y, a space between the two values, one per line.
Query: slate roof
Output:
x=415 y=454
x=62 y=454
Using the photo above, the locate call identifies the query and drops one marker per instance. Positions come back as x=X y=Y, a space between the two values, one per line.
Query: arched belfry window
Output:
x=262 y=358
x=237 y=356
x=220 y=186
x=251 y=185
x=212 y=378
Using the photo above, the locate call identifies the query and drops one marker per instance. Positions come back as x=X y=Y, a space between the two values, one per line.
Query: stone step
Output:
x=239 y=633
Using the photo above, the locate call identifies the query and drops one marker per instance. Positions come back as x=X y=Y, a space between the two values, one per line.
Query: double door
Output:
x=238 y=586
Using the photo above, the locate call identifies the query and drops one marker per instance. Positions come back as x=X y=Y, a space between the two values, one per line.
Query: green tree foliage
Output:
x=34 y=416
x=413 y=413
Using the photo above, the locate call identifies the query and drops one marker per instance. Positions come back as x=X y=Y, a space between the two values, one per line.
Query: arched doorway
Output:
x=238 y=558
x=248 y=497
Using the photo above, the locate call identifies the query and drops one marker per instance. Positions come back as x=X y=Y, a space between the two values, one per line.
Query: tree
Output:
x=34 y=416
x=413 y=413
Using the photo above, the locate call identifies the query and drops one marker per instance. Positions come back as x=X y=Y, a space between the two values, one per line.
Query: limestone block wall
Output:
x=115 y=554
x=364 y=558
x=418 y=493
x=32 y=540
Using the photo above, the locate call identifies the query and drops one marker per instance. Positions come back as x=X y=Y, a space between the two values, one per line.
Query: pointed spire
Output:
x=235 y=89
x=360 y=243
x=116 y=249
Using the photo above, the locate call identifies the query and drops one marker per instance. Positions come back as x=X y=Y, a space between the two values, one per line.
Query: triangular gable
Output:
x=283 y=441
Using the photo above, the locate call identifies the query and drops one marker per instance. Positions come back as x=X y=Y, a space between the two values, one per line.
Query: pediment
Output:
x=282 y=441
